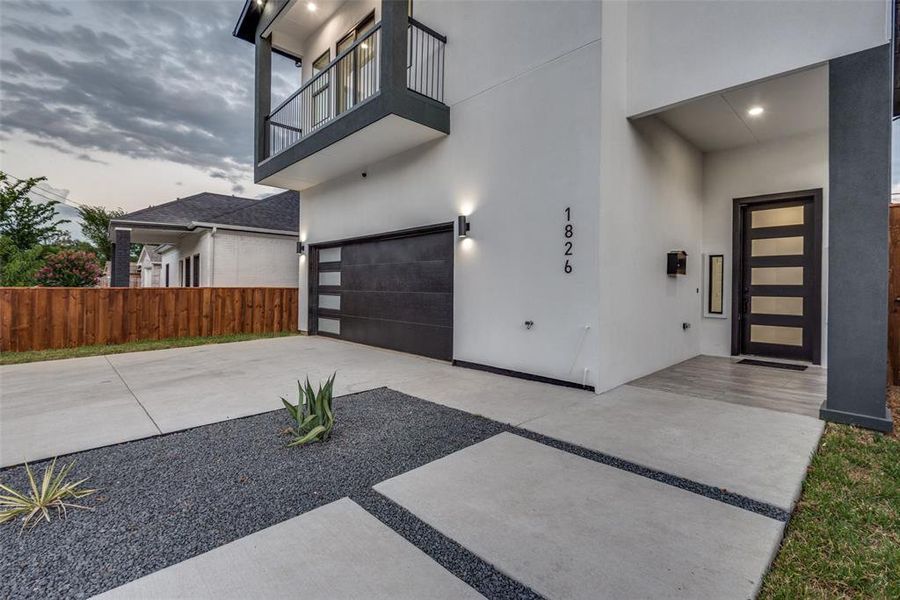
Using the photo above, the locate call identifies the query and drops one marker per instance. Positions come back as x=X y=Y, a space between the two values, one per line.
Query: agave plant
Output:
x=54 y=493
x=313 y=417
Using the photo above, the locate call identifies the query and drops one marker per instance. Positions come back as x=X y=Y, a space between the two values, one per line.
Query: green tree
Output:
x=24 y=221
x=95 y=227
x=19 y=267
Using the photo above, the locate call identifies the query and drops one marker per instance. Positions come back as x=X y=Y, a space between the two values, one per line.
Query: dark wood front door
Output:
x=776 y=310
x=394 y=291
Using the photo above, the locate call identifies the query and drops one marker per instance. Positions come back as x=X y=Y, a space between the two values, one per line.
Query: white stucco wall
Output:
x=683 y=49
x=243 y=259
x=786 y=165
x=650 y=203
x=523 y=147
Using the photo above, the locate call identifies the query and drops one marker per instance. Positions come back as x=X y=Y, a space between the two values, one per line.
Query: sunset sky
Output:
x=126 y=103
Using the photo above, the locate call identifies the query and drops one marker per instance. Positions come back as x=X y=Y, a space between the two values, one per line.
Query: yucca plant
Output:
x=54 y=493
x=313 y=417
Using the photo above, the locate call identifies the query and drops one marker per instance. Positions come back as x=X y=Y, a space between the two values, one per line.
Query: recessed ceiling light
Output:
x=311 y=6
x=755 y=111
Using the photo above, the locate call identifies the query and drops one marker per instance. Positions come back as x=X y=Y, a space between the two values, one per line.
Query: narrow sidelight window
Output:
x=167 y=274
x=196 y=270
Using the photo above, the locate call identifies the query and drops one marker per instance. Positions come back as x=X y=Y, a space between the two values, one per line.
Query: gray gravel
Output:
x=168 y=498
x=171 y=497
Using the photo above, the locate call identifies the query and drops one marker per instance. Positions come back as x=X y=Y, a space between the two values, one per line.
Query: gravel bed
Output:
x=171 y=497
x=168 y=498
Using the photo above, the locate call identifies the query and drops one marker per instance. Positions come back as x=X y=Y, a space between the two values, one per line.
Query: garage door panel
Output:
x=411 y=249
x=398 y=277
x=412 y=307
x=427 y=340
x=394 y=292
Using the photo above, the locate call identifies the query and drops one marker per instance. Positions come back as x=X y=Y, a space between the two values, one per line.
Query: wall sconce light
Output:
x=462 y=226
x=301 y=248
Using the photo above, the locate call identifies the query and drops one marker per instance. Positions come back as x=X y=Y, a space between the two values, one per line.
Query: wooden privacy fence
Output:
x=41 y=318
x=894 y=297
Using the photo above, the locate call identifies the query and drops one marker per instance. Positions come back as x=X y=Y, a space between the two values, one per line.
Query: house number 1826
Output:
x=568 y=235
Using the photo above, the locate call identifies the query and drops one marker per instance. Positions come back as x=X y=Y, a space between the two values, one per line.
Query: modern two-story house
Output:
x=587 y=192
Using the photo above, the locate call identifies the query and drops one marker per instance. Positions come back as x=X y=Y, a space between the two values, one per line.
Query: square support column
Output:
x=120 y=272
x=859 y=139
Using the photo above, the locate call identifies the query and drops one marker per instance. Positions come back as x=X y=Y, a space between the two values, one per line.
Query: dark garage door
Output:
x=394 y=291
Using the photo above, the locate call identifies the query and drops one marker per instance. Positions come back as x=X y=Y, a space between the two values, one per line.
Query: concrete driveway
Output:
x=54 y=408
x=561 y=513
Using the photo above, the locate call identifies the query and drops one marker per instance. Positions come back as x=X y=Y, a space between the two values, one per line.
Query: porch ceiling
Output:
x=297 y=22
x=792 y=104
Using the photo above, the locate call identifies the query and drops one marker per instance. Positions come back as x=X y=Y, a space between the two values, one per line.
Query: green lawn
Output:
x=843 y=540
x=12 y=358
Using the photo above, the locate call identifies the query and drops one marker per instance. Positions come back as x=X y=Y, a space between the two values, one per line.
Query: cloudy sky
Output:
x=126 y=103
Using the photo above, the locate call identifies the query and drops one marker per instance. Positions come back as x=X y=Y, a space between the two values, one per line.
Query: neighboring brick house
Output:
x=214 y=240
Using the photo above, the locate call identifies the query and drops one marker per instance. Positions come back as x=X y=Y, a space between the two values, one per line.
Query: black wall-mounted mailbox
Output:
x=676 y=263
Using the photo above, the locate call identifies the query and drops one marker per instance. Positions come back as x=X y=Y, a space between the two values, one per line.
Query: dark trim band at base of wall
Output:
x=847 y=418
x=520 y=375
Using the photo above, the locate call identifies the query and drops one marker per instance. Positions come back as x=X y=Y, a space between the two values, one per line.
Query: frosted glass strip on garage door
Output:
x=329 y=278
x=330 y=301
x=330 y=325
x=330 y=255
x=776 y=334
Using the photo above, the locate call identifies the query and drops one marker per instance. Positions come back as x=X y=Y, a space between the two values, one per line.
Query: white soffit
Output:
x=793 y=104
x=373 y=143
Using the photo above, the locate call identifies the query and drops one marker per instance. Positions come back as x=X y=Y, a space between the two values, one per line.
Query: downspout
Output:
x=212 y=257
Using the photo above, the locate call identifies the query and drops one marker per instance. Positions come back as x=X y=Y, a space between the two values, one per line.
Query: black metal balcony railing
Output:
x=351 y=78
x=425 y=60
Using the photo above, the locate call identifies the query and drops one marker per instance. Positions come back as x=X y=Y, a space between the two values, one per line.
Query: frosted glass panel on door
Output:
x=329 y=301
x=776 y=276
x=329 y=278
x=776 y=305
x=330 y=325
x=782 y=246
x=776 y=334
x=330 y=255
x=777 y=217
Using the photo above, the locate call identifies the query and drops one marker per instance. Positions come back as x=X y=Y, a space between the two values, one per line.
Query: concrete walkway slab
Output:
x=751 y=451
x=187 y=387
x=335 y=551
x=572 y=528
x=49 y=409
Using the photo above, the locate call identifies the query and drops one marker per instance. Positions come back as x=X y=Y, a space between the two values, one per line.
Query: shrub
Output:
x=53 y=493
x=19 y=267
x=69 y=268
x=313 y=417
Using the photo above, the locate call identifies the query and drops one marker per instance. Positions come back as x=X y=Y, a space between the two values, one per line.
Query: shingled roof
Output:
x=278 y=212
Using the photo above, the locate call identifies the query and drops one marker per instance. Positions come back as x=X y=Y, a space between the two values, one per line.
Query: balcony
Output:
x=380 y=96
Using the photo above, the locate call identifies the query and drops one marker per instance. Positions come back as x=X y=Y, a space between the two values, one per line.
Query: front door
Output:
x=777 y=287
